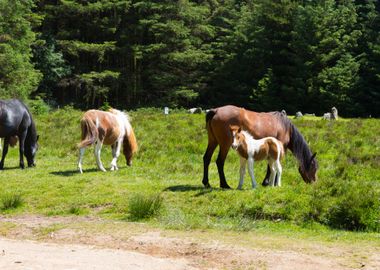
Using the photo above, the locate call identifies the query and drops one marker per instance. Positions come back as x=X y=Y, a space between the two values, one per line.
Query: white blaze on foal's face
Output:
x=237 y=137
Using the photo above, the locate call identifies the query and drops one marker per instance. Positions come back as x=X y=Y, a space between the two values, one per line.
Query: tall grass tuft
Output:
x=10 y=201
x=144 y=206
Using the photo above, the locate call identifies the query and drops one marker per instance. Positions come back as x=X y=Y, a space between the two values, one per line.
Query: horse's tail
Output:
x=89 y=132
x=209 y=115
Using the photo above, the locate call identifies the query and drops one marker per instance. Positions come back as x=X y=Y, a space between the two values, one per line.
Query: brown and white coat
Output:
x=251 y=150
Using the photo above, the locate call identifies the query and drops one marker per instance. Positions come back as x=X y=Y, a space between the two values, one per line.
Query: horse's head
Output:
x=128 y=155
x=30 y=151
x=129 y=146
x=309 y=172
x=237 y=136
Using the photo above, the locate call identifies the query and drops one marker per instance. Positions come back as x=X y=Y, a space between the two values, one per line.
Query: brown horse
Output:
x=259 y=125
x=109 y=128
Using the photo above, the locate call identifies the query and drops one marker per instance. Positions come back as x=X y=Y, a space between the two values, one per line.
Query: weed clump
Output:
x=10 y=201
x=144 y=206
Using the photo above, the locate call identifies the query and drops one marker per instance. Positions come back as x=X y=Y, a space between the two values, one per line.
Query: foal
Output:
x=255 y=150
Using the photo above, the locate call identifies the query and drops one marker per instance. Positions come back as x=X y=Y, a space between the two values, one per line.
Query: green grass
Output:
x=170 y=163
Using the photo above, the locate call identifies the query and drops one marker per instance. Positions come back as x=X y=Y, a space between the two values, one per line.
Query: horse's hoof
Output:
x=225 y=187
x=206 y=184
x=265 y=183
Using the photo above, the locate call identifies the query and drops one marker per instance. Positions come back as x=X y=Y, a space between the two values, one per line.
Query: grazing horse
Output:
x=255 y=150
x=109 y=128
x=259 y=125
x=16 y=123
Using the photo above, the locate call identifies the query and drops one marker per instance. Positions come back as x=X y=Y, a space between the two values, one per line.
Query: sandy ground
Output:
x=17 y=254
x=61 y=243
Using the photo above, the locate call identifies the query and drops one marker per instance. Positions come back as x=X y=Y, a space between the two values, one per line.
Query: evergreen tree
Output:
x=325 y=38
x=85 y=34
x=164 y=45
x=366 y=94
x=18 y=78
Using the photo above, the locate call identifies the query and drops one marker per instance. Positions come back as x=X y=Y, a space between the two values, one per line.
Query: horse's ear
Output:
x=313 y=156
x=38 y=136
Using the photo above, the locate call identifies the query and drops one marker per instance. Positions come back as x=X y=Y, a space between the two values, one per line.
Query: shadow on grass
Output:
x=71 y=172
x=185 y=188
x=12 y=168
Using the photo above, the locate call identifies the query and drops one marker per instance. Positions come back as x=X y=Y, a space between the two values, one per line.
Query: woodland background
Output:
x=264 y=55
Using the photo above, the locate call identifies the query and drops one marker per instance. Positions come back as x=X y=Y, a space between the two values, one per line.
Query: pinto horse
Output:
x=109 y=128
x=252 y=150
x=259 y=125
x=16 y=123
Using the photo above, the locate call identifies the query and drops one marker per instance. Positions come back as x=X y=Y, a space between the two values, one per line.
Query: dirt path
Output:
x=36 y=242
x=17 y=254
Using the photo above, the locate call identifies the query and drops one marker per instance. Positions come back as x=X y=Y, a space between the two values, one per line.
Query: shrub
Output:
x=357 y=209
x=38 y=106
x=11 y=200
x=144 y=206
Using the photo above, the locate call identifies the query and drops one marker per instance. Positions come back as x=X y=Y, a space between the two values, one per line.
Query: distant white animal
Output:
x=195 y=110
x=333 y=115
x=298 y=115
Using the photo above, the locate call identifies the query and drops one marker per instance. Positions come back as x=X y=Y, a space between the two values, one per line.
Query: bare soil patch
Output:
x=98 y=241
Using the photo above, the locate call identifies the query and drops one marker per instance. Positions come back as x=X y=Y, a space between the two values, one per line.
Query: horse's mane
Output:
x=124 y=117
x=130 y=138
x=297 y=143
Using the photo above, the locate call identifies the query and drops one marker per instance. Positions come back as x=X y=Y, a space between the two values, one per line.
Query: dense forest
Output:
x=304 y=55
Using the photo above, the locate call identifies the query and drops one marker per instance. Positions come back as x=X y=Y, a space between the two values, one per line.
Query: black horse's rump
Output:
x=16 y=120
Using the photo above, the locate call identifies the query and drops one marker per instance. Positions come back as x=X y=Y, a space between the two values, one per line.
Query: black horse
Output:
x=16 y=120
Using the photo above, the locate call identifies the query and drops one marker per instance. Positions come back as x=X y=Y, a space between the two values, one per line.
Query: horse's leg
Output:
x=115 y=154
x=5 y=151
x=206 y=161
x=98 y=148
x=243 y=162
x=81 y=153
x=113 y=163
x=272 y=176
x=220 y=164
x=266 y=178
x=279 y=172
x=22 y=137
x=250 y=171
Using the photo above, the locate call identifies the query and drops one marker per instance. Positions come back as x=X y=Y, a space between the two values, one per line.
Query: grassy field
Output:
x=167 y=173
